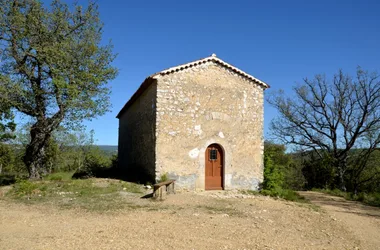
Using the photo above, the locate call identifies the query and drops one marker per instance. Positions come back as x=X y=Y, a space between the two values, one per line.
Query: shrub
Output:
x=24 y=188
x=285 y=194
x=7 y=179
x=372 y=199
x=163 y=177
x=273 y=178
x=60 y=176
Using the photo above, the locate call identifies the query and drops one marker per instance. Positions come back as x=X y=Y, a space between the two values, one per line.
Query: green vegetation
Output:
x=284 y=174
x=333 y=128
x=7 y=125
x=59 y=176
x=285 y=194
x=54 y=69
x=276 y=171
x=25 y=188
x=164 y=177
x=69 y=154
x=337 y=122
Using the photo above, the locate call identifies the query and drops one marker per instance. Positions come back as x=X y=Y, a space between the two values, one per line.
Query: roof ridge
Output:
x=215 y=59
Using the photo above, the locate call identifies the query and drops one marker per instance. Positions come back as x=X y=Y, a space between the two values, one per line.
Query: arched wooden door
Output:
x=214 y=167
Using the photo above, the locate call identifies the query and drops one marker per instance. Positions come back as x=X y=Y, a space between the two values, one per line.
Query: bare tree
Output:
x=332 y=118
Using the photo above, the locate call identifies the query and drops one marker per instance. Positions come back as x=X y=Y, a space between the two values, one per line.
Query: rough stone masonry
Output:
x=177 y=113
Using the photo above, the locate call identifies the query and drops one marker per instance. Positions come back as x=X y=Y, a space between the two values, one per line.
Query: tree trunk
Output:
x=355 y=189
x=341 y=165
x=341 y=183
x=35 y=158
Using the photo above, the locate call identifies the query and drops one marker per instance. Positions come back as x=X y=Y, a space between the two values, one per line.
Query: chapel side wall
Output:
x=137 y=138
x=203 y=105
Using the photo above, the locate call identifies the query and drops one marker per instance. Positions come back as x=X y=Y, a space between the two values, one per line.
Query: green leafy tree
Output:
x=275 y=160
x=76 y=145
x=52 y=155
x=364 y=174
x=53 y=69
x=294 y=178
x=7 y=128
x=273 y=177
x=318 y=172
x=6 y=158
x=7 y=125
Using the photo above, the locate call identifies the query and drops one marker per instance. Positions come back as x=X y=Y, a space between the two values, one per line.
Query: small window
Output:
x=213 y=154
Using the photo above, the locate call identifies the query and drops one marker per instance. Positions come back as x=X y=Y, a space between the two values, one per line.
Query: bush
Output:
x=285 y=194
x=277 y=167
x=163 y=177
x=24 y=188
x=7 y=179
x=60 y=176
x=87 y=172
x=372 y=199
x=273 y=178
x=293 y=176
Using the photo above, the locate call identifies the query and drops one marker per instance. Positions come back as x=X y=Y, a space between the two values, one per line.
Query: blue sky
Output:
x=279 y=42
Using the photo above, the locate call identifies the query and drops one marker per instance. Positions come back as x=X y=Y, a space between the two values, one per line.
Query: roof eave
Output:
x=146 y=83
x=216 y=60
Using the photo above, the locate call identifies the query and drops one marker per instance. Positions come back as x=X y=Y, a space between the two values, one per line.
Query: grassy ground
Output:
x=372 y=199
x=90 y=194
x=103 y=195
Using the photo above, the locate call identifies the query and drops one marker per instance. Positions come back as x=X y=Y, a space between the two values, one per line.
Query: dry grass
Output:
x=91 y=194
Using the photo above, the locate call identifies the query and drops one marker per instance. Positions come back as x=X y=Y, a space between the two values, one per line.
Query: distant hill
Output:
x=108 y=149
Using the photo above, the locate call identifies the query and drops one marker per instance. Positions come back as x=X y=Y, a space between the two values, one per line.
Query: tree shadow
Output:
x=114 y=172
x=147 y=196
x=340 y=204
x=7 y=179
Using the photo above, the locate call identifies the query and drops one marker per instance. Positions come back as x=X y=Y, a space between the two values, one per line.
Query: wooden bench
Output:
x=168 y=185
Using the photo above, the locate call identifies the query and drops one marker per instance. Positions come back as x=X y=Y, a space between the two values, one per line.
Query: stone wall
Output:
x=137 y=137
x=209 y=104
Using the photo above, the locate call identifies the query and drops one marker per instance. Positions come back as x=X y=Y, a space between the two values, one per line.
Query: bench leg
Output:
x=170 y=189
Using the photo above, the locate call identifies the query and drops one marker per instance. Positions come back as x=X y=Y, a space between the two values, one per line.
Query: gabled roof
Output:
x=215 y=59
x=147 y=82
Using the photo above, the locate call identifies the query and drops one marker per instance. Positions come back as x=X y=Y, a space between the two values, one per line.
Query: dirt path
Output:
x=208 y=220
x=361 y=220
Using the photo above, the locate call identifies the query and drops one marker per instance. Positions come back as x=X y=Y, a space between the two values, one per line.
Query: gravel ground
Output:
x=361 y=220
x=206 y=220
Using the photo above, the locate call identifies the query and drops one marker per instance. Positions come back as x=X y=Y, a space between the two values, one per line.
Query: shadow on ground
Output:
x=339 y=204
